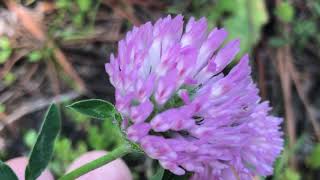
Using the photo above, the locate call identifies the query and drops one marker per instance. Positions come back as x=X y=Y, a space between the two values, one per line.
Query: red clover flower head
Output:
x=183 y=108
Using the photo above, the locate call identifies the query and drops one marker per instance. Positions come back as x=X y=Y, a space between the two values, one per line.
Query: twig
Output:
x=310 y=111
x=284 y=56
x=33 y=23
x=10 y=63
x=66 y=66
x=123 y=9
x=6 y=96
x=100 y=35
x=53 y=76
x=36 y=105
x=26 y=78
x=287 y=96
x=146 y=3
x=28 y=19
x=261 y=77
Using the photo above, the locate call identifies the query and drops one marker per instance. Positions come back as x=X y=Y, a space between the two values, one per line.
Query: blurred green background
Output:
x=56 y=50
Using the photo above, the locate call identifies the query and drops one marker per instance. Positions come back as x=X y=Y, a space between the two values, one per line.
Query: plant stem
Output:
x=116 y=153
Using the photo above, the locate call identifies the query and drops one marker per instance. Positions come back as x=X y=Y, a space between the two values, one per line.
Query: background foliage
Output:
x=55 y=51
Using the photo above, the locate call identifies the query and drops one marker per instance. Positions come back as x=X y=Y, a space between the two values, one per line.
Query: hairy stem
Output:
x=116 y=153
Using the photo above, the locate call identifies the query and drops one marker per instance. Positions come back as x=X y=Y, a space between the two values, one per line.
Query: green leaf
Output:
x=63 y=4
x=6 y=172
x=30 y=138
x=4 y=55
x=112 y=133
x=43 y=149
x=281 y=170
x=158 y=175
x=95 y=108
x=96 y=139
x=246 y=22
x=226 y=5
x=9 y=78
x=2 y=108
x=78 y=19
x=100 y=109
x=291 y=174
x=285 y=12
x=5 y=43
x=35 y=56
x=316 y=7
x=64 y=154
x=305 y=27
x=314 y=159
x=75 y=116
x=63 y=147
x=277 y=42
x=84 y=5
